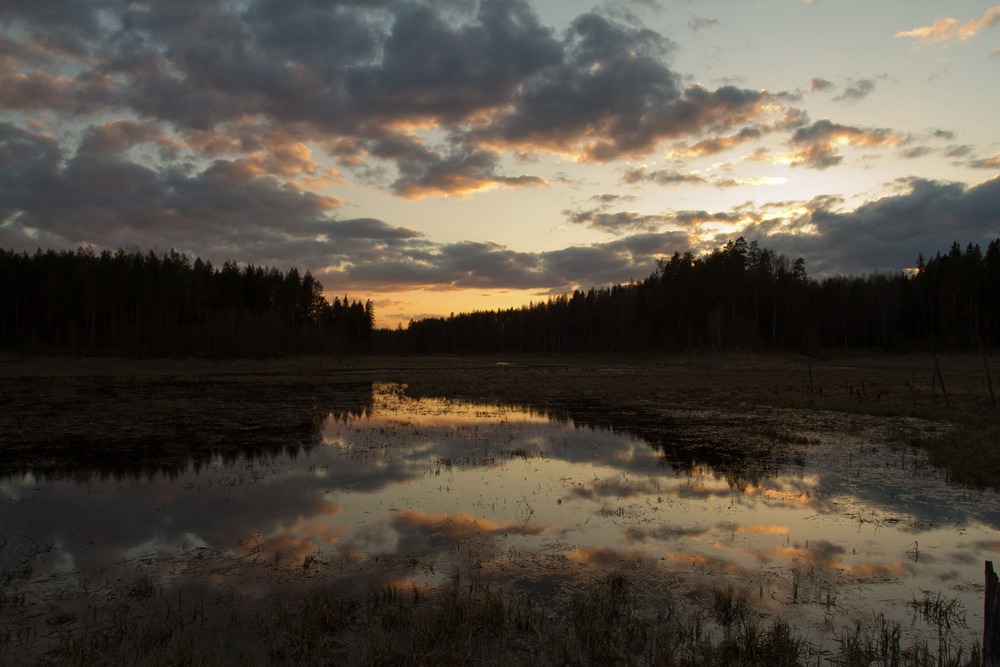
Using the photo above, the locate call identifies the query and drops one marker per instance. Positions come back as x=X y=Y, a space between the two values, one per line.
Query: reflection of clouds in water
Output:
x=819 y=553
x=877 y=570
x=756 y=529
x=662 y=533
x=420 y=532
x=616 y=488
x=603 y=556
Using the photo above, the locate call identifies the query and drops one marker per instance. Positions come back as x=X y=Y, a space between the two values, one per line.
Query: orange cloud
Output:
x=952 y=30
x=818 y=145
x=714 y=145
x=38 y=90
x=456 y=183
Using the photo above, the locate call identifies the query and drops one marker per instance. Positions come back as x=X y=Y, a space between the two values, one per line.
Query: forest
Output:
x=742 y=296
x=144 y=304
x=739 y=296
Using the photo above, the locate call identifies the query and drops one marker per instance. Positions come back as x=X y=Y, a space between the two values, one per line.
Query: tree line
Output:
x=133 y=303
x=742 y=296
x=739 y=296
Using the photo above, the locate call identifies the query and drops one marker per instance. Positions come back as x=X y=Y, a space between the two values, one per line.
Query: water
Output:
x=820 y=518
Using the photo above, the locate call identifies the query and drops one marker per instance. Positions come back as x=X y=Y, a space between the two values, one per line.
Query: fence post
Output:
x=991 y=619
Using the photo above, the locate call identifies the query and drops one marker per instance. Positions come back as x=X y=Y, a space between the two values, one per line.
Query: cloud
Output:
x=617 y=223
x=818 y=84
x=857 y=89
x=671 y=177
x=608 y=199
x=355 y=78
x=752 y=180
x=816 y=146
x=632 y=222
x=612 y=97
x=947 y=30
x=992 y=162
x=424 y=172
x=118 y=136
x=229 y=208
x=916 y=152
x=958 y=150
x=662 y=177
x=888 y=233
x=715 y=145
x=697 y=23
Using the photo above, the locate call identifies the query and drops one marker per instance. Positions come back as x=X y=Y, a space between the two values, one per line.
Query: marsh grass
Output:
x=604 y=619
x=879 y=642
x=937 y=611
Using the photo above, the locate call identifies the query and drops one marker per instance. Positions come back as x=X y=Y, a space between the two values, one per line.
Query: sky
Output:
x=446 y=156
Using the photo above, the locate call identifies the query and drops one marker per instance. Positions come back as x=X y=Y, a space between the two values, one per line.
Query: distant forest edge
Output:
x=739 y=296
x=742 y=296
x=130 y=303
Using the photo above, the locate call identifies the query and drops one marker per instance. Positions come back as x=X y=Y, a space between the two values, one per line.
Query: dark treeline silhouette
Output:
x=742 y=296
x=130 y=303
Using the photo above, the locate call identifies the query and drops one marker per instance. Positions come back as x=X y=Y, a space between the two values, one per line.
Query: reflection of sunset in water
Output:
x=412 y=491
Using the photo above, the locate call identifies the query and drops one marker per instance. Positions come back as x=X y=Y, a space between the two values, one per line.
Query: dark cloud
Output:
x=608 y=199
x=632 y=222
x=424 y=172
x=992 y=162
x=119 y=136
x=355 y=76
x=228 y=209
x=670 y=177
x=958 y=151
x=612 y=96
x=697 y=23
x=431 y=68
x=915 y=152
x=617 y=223
x=857 y=89
x=662 y=177
x=887 y=234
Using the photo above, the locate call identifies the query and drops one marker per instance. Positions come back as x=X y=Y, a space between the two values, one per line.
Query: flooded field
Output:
x=818 y=518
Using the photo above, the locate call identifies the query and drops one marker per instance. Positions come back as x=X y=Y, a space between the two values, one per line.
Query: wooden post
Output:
x=991 y=619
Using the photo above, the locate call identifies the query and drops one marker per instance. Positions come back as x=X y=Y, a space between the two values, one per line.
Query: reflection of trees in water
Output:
x=128 y=428
x=742 y=450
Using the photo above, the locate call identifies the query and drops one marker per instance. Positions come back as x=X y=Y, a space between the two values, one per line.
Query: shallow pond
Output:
x=819 y=518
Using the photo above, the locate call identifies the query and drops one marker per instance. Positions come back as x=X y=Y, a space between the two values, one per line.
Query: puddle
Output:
x=826 y=522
